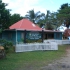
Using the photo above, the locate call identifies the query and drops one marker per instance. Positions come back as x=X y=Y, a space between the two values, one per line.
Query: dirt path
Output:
x=62 y=64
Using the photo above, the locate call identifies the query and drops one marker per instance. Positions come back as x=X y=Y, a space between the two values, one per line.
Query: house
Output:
x=67 y=34
x=50 y=34
x=22 y=31
x=26 y=31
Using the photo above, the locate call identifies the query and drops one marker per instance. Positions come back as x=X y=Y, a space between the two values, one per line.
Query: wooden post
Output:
x=42 y=35
x=24 y=36
x=16 y=37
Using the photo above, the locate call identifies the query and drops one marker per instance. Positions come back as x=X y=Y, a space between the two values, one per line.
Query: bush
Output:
x=33 y=41
x=6 y=44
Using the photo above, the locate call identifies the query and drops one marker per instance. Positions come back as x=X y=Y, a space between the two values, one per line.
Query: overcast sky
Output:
x=23 y=6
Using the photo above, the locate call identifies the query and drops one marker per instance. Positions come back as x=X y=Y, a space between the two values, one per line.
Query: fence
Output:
x=47 y=45
x=59 y=42
x=35 y=47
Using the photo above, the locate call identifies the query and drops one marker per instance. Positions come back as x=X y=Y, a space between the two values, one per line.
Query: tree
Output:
x=15 y=18
x=51 y=22
x=41 y=23
x=64 y=14
x=41 y=20
x=34 y=17
x=4 y=16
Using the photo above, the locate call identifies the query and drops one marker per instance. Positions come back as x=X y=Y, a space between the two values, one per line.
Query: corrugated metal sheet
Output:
x=24 y=24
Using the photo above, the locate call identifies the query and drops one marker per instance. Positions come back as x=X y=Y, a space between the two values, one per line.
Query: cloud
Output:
x=13 y=4
x=52 y=1
x=23 y=6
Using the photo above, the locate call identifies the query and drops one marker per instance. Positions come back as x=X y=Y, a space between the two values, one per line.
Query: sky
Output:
x=23 y=6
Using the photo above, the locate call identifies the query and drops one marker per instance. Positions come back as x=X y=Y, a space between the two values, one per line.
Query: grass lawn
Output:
x=30 y=60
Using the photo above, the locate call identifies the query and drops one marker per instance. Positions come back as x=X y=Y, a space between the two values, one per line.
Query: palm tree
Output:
x=34 y=17
x=50 y=20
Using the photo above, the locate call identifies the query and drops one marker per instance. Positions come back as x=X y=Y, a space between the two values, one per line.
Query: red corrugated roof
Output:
x=24 y=24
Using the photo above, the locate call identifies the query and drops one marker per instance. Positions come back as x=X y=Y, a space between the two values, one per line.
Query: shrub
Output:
x=32 y=41
x=6 y=44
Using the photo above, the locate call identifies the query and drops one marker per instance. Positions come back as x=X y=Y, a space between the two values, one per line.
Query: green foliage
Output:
x=22 y=40
x=6 y=44
x=15 y=18
x=51 y=20
x=33 y=41
x=49 y=26
x=0 y=30
x=6 y=19
x=4 y=16
x=34 y=17
x=64 y=14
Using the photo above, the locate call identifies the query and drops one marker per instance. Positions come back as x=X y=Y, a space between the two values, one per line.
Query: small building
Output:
x=22 y=31
x=50 y=34
x=25 y=31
